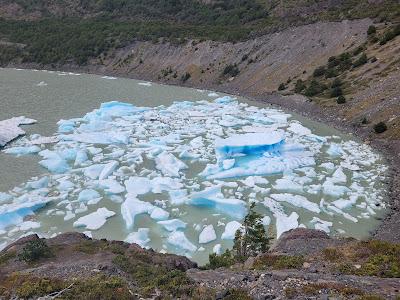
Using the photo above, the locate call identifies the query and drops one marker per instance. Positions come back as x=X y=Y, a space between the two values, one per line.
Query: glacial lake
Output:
x=172 y=168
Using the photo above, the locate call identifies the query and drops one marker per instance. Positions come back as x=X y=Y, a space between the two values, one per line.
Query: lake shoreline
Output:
x=389 y=229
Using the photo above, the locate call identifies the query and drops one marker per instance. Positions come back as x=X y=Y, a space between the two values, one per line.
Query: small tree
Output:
x=252 y=238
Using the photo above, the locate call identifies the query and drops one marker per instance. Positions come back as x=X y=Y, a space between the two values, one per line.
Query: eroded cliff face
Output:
x=263 y=62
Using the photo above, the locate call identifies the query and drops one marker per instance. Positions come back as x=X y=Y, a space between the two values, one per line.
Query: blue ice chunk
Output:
x=22 y=150
x=112 y=109
x=87 y=195
x=39 y=184
x=4 y=197
x=212 y=198
x=249 y=143
x=65 y=126
x=173 y=224
x=335 y=150
x=53 y=162
x=15 y=212
x=224 y=100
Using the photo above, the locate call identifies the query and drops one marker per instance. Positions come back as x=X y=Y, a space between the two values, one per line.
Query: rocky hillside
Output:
x=303 y=264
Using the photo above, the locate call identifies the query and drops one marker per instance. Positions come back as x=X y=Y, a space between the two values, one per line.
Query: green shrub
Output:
x=361 y=61
x=314 y=88
x=6 y=257
x=331 y=254
x=371 y=30
x=319 y=71
x=341 y=100
x=358 y=50
x=237 y=294
x=380 y=127
x=336 y=92
x=34 y=250
x=390 y=34
x=300 y=86
x=331 y=73
x=279 y=262
x=281 y=87
x=231 y=70
x=336 y=83
x=217 y=261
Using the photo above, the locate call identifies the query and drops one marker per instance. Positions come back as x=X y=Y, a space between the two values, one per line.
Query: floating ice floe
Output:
x=10 y=130
x=187 y=170
x=94 y=220
x=140 y=237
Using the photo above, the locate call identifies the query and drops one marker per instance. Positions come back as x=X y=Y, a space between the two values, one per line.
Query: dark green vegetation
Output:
x=76 y=31
x=133 y=272
x=231 y=70
x=278 y=262
x=249 y=241
x=380 y=127
x=97 y=287
x=366 y=258
x=35 y=250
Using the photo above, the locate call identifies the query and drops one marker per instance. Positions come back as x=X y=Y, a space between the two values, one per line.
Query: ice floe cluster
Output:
x=181 y=178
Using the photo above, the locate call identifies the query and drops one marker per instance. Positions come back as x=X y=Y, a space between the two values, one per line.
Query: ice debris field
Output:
x=180 y=178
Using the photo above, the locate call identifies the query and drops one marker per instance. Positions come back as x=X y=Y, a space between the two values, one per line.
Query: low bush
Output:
x=279 y=262
x=363 y=59
x=217 y=261
x=231 y=70
x=380 y=127
x=300 y=86
x=371 y=30
x=319 y=71
x=314 y=88
x=34 y=250
x=336 y=92
x=341 y=100
x=390 y=35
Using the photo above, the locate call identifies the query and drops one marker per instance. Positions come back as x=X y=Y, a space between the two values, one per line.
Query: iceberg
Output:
x=132 y=207
x=207 y=235
x=22 y=150
x=10 y=130
x=173 y=225
x=140 y=237
x=230 y=230
x=95 y=220
x=285 y=223
x=169 y=165
x=249 y=143
x=88 y=195
x=298 y=201
x=178 y=240
x=211 y=198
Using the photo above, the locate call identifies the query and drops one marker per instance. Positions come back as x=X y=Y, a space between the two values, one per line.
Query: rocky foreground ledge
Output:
x=303 y=264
